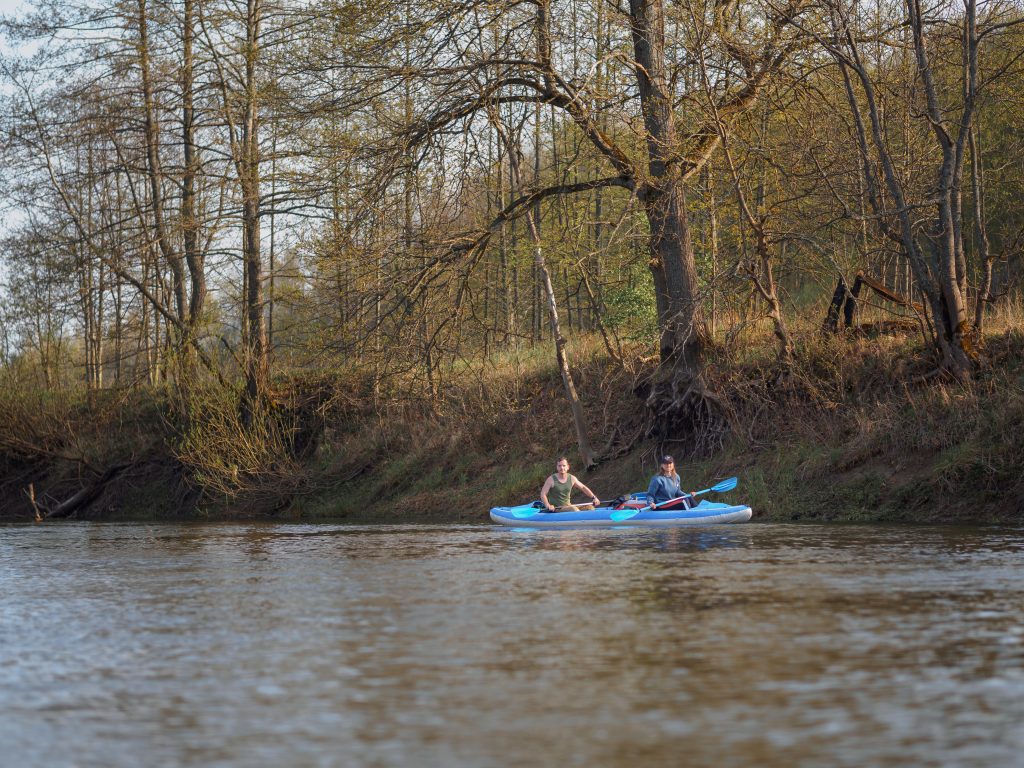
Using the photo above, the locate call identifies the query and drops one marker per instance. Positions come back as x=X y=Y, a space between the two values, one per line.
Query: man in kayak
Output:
x=559 y=486
x=665 y=485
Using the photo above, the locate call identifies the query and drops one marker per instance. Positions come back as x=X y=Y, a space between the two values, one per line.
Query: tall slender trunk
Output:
x=596 y=293
x=935 y=273
x=536 y=318
x=762 y=275
x=947 y=232
x=272 y=252
x=981 y=236
x=118 y=331
x=85 y=290
x=142 y=348
x=155 y=173
x=194 y=258
x=533 y=221
x=578 y=418
x=249 y=173
x=101 y=289
x=87 y=286
x=713 y=237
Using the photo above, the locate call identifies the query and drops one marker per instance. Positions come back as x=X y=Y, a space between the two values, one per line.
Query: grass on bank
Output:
x=858 y=431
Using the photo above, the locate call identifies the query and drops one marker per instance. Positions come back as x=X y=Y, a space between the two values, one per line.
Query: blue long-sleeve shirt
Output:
x=664 y=488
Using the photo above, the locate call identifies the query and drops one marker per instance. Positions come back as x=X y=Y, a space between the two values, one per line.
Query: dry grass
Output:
x=856 y=429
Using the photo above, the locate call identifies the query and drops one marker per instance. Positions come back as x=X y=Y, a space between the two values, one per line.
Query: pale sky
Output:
x=7 y=7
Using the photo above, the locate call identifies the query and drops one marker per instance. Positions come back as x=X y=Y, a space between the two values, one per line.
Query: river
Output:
x=291 y=645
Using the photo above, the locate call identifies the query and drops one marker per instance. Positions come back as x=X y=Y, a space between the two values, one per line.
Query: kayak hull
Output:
x=705 y=513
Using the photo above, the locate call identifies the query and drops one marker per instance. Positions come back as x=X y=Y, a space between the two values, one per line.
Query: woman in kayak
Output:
x=559 y=486
x=665 y=484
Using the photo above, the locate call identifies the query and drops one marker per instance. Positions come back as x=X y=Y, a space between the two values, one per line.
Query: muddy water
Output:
x=759 y=645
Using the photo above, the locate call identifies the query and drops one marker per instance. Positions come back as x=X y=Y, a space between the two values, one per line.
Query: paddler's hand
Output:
x=596 y=501
x=551 y=507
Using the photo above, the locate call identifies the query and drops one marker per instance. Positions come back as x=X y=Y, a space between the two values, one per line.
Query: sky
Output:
x=9 y=6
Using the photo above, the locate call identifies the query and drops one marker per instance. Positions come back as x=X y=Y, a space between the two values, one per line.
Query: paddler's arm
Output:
x=544 y=494
x=586 y=490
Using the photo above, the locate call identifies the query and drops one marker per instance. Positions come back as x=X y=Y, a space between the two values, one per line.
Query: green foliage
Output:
x=521 y=482
x=631 y=306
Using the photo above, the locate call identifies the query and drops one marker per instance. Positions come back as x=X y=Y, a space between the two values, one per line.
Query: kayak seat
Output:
x=632 y=505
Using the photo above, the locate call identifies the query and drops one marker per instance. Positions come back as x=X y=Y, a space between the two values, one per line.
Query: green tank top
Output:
x=560 y=492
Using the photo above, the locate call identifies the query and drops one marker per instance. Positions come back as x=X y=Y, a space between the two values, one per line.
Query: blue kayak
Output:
x=705 y=513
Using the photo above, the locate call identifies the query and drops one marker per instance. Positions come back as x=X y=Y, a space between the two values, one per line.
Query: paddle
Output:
x=526 y=510
x=529 y=510
x=625 y=514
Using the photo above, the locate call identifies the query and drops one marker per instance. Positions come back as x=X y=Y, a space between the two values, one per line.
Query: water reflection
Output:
x=478 y=645
x=682 y=539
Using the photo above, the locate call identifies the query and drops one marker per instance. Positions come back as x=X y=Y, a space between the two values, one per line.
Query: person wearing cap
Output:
x=665 y=484
x=557 y=490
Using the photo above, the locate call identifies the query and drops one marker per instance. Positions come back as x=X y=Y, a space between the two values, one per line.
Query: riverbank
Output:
x=858 y=429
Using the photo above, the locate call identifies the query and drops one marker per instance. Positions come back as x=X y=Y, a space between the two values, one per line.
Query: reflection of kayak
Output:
x=705 y=513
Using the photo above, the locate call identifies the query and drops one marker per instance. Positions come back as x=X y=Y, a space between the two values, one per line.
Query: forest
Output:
x=330 y=258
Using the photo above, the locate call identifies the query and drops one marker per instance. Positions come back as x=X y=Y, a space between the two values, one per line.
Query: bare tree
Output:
x=934 y=246
x=676 y=141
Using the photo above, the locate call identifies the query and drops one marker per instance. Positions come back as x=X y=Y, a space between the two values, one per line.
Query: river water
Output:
x=286 y=645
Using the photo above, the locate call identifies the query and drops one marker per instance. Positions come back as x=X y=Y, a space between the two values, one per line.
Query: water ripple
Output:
x=237 y=645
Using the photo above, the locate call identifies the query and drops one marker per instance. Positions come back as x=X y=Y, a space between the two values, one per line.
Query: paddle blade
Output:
x=526 y=510
x=725 y=485
x=624 y=514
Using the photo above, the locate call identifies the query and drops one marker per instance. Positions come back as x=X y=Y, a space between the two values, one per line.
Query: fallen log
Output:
x=844 y=301
x=86 y=495
x=886 y=293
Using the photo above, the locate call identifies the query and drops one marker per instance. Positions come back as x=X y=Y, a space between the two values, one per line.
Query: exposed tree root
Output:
x=623 y=440
x=684 y=410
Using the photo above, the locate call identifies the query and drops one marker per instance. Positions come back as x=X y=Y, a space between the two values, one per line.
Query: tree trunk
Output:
x=578 y=419
x=981 y=235
x=152 y=137
x=679 y=400
x=533 y=221
x=959 y=356
x=713 y=236
x=936 y=273
x=249 y=173
x=194 y=258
